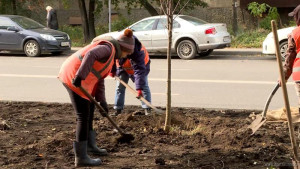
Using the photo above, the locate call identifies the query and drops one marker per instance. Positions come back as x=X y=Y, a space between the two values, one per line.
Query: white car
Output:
x=191 y=36
x=269 y=45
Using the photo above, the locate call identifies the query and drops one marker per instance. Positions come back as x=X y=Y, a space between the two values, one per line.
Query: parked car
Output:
x=191 y=36
x=269 y=45
x=18 y=33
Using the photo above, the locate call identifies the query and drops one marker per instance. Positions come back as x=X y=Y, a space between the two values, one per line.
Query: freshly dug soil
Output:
x=40 y=135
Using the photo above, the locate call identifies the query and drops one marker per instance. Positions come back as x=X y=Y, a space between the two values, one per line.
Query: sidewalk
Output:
x=225 y=51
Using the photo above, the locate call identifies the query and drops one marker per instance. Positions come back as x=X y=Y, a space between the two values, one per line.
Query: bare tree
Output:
x=168 y=10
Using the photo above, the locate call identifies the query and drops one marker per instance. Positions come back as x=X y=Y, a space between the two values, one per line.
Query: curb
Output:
x=238 y=51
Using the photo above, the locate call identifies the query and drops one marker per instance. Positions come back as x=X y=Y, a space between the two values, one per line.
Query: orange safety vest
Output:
x=127 y=65
x=296 y=65
x=99 y=70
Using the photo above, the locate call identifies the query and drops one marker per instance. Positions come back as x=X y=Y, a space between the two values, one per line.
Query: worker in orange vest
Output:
x=292 y=59
x=136 y=67
x=87 y=68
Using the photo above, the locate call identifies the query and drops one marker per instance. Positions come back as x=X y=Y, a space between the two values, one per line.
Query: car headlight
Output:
x=47 y=37
x=68 y=37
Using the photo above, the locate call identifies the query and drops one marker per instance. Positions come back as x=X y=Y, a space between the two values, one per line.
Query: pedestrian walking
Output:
x=87 y=68
x=292 y=59
x=52 y=22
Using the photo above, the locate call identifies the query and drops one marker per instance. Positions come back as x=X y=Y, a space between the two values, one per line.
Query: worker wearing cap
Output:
x=87 y=68
x=135 y=67
x=292 y=60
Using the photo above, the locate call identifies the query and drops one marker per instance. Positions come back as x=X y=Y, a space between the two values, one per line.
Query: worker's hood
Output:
x=296 y=14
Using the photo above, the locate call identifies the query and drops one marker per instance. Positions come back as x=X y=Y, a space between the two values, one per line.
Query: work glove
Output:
x=111 y=74
x=76 y=81
x=139 y=93
x=104 y=106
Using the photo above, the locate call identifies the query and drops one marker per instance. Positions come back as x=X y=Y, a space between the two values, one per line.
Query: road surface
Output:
x=217 y=81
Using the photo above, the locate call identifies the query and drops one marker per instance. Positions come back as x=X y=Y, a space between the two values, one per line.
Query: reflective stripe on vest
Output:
x=127 y=65
x=99 y=70
x=296 y=65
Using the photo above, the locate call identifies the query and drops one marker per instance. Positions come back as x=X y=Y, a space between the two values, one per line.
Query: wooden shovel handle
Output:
x=140 y=98
x=284 y=90
x=102 y=111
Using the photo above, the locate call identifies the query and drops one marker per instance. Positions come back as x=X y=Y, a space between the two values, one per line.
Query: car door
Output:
x=143 y=31
x=160 y=34
x=9 y=39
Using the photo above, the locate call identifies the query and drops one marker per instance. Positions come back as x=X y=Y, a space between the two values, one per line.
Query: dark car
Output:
x=18 y=33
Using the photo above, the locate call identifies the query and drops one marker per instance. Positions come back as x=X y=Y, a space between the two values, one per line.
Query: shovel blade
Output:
x=255 y=122
x=255 y=128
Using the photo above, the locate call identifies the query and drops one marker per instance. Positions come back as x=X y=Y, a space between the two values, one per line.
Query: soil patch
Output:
x=40 y=135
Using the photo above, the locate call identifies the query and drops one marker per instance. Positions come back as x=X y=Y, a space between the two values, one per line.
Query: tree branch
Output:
x=176 y=6
x=181 y=8
x=162 y=7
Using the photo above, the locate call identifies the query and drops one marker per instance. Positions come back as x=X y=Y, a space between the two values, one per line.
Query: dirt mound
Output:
x=40 y=135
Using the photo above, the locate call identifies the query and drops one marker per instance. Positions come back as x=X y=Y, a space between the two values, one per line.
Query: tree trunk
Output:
x=234 y=17
x=170 y=28
x=92 y=20
x=84 y=20
x=14 y=7
x=152 y=11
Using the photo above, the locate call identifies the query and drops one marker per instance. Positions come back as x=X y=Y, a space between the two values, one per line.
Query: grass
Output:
x=249 y=38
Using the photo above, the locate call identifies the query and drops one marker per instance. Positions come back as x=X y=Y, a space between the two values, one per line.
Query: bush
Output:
x=76 y=32
x=250 y=38
x=265 y=13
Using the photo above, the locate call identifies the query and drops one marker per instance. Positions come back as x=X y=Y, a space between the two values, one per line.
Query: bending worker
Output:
x=292 y=60
x=136 y=67
x=87 y=68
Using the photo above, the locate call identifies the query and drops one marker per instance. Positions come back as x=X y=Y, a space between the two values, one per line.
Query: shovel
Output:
x=125 y=138
x=140 y=98
x=261 y=119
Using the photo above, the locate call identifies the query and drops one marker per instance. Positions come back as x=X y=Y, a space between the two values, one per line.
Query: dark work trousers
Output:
x=84 y=110
x=297 y=87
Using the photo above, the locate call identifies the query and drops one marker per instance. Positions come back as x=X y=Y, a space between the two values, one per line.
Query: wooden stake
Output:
x=284 y=91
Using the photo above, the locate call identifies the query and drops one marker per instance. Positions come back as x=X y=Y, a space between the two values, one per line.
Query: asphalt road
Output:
x=217 y=81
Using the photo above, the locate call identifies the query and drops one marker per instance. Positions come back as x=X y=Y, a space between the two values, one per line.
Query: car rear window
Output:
x=193 y=20
x=27 y=23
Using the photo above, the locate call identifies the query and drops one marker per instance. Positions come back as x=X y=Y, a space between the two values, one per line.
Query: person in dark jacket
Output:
x=139 y=77
x=87 y=68
x=292 y=59
x=51 y=18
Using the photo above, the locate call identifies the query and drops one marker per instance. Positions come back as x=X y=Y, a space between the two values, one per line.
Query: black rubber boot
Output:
x=81 y=157
x=92 y=146
x=148 y=111
x=116 y=113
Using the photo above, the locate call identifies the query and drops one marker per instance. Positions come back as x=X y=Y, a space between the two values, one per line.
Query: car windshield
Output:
x=193 y=20
x=27 y=23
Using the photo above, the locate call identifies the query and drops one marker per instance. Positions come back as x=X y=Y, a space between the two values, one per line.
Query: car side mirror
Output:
x=13 y=28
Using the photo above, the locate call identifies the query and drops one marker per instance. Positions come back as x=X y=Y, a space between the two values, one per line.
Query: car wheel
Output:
x=205 y=52
x=32 y=48
x=56 y=53
x=186 y=49
x=283 y=48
